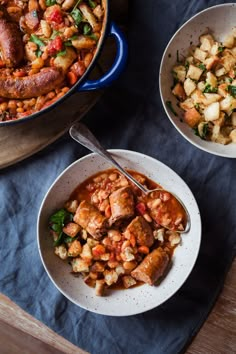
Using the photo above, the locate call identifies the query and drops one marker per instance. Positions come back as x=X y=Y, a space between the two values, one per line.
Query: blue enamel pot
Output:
x=109 y=29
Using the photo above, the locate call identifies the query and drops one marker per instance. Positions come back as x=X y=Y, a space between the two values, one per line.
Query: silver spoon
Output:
x=80 y=133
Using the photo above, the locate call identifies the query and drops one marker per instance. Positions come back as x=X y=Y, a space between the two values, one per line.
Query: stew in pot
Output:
x=45 y=47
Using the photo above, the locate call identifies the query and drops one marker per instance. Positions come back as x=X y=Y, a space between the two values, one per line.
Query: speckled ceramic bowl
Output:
x=118 y=302
x=220 y=19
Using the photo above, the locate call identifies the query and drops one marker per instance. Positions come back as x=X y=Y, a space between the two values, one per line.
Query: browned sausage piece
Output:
x=122 y=204
x=152 y=267
x=31 y=86
x=141 y=230
x=91 y=219
x=10 y=42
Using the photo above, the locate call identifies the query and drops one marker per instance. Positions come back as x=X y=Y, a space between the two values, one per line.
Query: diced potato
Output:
x=232 y=135
x=187 y=104
x=189 y=86
x=75 y=249
x=71 y=229
x=194 y=72
x=180 y=72
x=179 y=92
x=207 y=42
x=192 y=117
x=211 y=62
x=128 y=281
x=79 y=265
x=65 y=61
x=229 y=41
x=99 y=287
x=211 y=79
x=83 y=42
x=199 y=54
x=212 y=112
x=61 y=251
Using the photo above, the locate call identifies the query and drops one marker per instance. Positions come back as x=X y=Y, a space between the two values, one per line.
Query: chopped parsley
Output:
x=35 y=39
x=57 y=221
x=169 y=105
x=232 y=90
x=209 y=89
x=87 y=29
x=202 y=67
x=221 y=49
x=77 y=16
x=201 y=130
x=50 y=2
x=92 y=4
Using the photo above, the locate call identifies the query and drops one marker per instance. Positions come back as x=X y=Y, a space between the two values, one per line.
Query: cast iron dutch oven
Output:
x=109 y=29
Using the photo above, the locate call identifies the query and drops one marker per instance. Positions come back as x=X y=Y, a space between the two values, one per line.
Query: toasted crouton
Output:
x=211 y=97
x=232 y=135
x=189 y=86
x=179 y=92
x=199 y=54
x=229 y=41
x=180 y=72
x=211 y=79
x=233 y=119
x=211 y=62
x=212 y=112
x=187 y=104
x=222 y=90
x=194 y=72
x=207 y=42
x=75 y=249
x=192 y=117
x=71 y=229
x=79 y=265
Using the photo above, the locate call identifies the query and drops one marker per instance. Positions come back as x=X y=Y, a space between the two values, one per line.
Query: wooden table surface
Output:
x=21 y=333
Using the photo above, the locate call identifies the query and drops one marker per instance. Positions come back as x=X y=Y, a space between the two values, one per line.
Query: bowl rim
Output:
x=196 y=144
x=197 y=246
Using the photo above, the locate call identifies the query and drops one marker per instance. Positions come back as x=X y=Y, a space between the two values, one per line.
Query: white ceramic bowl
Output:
x=220 y=20
x=119 y=302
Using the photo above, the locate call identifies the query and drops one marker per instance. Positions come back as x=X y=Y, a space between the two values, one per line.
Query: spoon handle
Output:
x=80 y=133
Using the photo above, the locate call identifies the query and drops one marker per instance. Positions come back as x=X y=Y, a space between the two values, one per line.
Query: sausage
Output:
x=89 y=217
x=31 y=86
x=141 y=230
x=11 y=44
x=122 y=204
x=152 y=267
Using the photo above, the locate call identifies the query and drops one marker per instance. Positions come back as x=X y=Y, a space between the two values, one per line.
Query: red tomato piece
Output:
x=56 y=16
x=55 y=45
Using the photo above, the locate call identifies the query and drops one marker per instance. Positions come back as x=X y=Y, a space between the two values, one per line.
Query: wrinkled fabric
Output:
x=129 y=116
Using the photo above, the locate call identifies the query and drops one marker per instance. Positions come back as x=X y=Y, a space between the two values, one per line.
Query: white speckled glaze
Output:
x=118 y=302
x=220 y=19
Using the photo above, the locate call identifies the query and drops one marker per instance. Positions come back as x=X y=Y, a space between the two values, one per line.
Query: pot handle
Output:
x=118 y=65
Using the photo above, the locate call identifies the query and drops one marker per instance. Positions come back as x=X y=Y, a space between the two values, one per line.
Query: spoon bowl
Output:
x=164 y=206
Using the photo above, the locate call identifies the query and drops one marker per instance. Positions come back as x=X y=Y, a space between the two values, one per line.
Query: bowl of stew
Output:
x=197 y=80
x=99 y=244
x=47 y=50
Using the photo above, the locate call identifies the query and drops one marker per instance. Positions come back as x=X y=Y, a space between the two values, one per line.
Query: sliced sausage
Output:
x=141 y=230
x=122 y=204
x=89 y=217
x=31 y=86
x=152 y=267
x=11 y=44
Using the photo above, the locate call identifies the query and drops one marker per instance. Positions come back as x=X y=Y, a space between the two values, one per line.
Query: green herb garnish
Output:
x=202 y=132
x=35 y=39
x=232 y=90
x=87 y=29
x=61 y=53
x=221 y=49
x=92 y=4
x=202 y=67
x=209 y=89
x=77 y=16
x=57 y=221
x=169 y=105
x=50 y=2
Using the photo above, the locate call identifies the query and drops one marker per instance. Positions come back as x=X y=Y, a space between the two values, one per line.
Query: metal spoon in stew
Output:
x=164 y=207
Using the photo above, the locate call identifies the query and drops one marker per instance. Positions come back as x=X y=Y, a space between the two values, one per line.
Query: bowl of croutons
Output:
x=197 y=80
x=100 y=244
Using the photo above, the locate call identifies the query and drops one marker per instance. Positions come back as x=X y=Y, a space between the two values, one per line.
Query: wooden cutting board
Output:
x=22 y=140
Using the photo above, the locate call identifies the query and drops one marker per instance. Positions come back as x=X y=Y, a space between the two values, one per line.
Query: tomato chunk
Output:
x=55 y=46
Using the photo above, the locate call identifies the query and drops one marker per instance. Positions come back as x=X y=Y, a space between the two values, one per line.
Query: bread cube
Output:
x=199 y=54
x=211 y=79
x=220 y=72
x=228 y=61
x=128 y=281
x=229 y=41
x=61 y=251
x=228 y=104
x=72 y=205
x=201 y=85
x=233 y=119
x=211 y=62
x=215 y=49
x=189 y=86
x=207 y=42
x=187 y=104
x=211 y=97
x=198 y=97
x=222 y=90
x=179 y=92
x=75 y=249
x=212 y=111
x=86 y=253
x=192 y=117
x=194 y=72
x=71 y=229
x=79 y=265
x=180 y=72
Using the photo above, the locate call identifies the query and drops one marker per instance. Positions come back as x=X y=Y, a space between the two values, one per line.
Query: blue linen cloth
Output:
x=129 y=116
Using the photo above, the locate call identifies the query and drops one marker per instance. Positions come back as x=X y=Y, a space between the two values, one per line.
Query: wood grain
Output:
x=21 y=333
